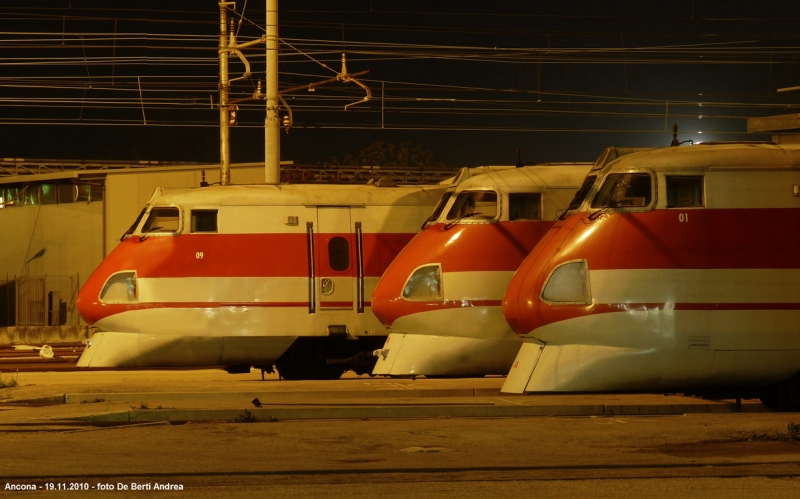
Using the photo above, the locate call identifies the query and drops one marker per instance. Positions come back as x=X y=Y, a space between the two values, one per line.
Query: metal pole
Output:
x=224 y=119
x=272 y=126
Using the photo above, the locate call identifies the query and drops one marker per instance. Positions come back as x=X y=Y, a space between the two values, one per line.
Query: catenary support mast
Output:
x=224 y=118
x=272 y=126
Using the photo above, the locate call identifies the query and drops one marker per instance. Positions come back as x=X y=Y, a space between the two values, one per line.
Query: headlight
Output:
x=120 y=288
x=425 y=284
x=569 y=283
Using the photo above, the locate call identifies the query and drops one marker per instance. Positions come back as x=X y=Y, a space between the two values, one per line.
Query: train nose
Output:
x=552 y=276
x=387 y=299
x=89 y=306
x=520 y=299
x=412 y=283
x=111 y=286
x=87 y=302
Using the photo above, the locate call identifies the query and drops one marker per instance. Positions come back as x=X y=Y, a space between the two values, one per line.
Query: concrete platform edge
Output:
x=362 y=412
x=266 y=397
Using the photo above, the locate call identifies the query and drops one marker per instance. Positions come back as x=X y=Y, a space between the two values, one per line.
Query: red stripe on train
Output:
x=247 y=255
x=705 y=239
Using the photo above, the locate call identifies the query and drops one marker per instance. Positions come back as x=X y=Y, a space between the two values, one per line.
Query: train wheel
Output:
x=784 y=397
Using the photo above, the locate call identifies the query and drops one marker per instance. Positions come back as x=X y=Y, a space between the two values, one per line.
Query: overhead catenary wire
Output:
x=189 y=92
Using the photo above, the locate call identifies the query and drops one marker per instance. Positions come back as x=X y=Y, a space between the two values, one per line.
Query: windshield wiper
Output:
x=428 y=220
x=145 y=234
x=451 y=224
x=606 y=208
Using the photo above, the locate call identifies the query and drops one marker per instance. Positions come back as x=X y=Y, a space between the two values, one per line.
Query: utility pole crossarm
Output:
x=311 y=86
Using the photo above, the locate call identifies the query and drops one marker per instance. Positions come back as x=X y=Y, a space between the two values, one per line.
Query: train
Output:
x=440 y=298
x=245 y=276
x=673 y=270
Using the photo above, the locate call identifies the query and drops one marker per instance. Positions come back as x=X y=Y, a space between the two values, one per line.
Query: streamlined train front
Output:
x=675 y=269
x=440 y=298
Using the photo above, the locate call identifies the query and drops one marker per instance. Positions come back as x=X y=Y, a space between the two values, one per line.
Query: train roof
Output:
x=545 y=176
x=712 y=156
x=300 y=195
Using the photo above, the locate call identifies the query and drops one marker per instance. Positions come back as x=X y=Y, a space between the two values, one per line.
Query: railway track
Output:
x=27 y=358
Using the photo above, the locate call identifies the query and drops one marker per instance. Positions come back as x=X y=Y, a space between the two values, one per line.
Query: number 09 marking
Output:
x=682 y=217
x=199 y=255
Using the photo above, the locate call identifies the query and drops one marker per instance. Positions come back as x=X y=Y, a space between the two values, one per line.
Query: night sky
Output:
x=471 y=81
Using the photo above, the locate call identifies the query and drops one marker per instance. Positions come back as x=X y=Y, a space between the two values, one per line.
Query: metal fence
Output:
x=30 y=301
x=39 y=301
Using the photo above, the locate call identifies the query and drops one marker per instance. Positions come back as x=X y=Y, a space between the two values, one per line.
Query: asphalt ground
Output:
x=691 y=451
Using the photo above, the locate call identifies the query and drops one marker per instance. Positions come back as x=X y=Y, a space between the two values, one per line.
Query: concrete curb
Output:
x=284 y=397
x=409 y=411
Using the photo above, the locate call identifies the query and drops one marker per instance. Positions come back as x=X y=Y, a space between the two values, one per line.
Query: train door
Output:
x=336 y=262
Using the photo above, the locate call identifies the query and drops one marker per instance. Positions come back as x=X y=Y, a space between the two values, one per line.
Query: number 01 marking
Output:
x=199 y=255
x=682 y=217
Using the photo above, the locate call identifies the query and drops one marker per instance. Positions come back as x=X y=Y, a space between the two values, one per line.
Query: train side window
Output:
x=525 y=206
x=479 y=204
x=685 y=192
x=204 y=220
x=162 y=220
x=624 y=190
x=339 y=254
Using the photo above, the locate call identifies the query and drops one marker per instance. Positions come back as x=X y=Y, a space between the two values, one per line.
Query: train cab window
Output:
x=685 y=192
x=120 y=288
x=525 y=206
x=133 y=227
x=162 y=220
x=338 y=254
x=481 y=205
x=439 y=208
x=583 y=191
x=624 y=190
x=204 y=220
